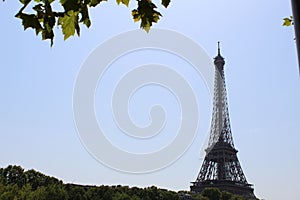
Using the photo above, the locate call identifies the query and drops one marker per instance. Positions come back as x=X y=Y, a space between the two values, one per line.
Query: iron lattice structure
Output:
x=221 y=168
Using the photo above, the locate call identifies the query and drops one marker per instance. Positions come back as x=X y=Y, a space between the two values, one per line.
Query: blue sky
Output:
x=36 y=83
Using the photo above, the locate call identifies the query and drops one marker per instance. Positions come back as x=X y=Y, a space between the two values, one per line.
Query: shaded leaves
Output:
x=75 y=12
x=146 y=13
x=42 y=21
x=125 y=2
x=165 y=3
x=31 y=21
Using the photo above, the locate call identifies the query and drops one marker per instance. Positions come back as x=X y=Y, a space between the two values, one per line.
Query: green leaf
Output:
x=69 y=5
x=288 y=21
x=136 y=15
x=38 y=7
x=69 y=23
x=94 y=3
x=63 y=1
x=30 y=21
x=125 y=2
x=156 y=17
x=24 y=2
x=146 y=13
x=146 y=27
x=43 y=17
x=85 y=18
x=46 y=34
x=165 y=3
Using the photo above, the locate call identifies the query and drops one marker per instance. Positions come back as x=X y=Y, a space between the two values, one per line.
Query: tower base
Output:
x=244 y=190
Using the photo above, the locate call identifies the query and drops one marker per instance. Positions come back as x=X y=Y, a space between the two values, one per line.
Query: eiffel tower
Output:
x=221 y=168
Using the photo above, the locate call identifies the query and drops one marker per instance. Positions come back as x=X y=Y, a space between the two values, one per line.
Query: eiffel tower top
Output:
x=219 y=57
x=219 y=60
x=220 y=131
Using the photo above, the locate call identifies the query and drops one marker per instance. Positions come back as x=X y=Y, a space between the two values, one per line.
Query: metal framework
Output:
x=221 y=168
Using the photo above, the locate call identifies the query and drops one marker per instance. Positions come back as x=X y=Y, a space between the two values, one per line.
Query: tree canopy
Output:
x=70 y=14
x=18 y=184
x=43 y=15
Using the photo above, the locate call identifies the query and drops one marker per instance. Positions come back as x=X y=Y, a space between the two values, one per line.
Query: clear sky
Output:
x=37 y=82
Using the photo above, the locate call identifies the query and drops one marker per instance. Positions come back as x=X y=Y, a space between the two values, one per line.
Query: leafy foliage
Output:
x=17 y=184
x=216 y=194
x=212 y=193
x=165 y=3
x=146 y=13
x=125 y=2
x=75 y=12
x=288 y=21
x=69 y=23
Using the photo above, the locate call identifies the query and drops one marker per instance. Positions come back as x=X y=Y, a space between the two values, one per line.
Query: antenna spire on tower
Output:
x=219 y=48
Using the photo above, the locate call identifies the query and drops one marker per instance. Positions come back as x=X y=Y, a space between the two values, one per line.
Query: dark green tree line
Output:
x=18 y=184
